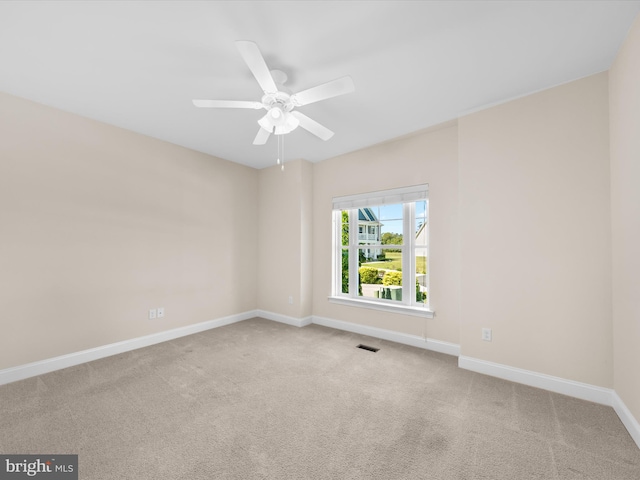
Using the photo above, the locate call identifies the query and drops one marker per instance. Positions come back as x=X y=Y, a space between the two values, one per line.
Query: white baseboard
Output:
x=277 y=317
x=627 y=418
x=69 y=360
x=404 y=338
x=584 y=391
x=571 y=388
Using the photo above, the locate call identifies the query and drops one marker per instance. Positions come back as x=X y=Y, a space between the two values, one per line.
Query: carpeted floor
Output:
x=263 y=400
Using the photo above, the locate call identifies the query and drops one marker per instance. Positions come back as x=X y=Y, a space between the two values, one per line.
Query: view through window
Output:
x=381 y=252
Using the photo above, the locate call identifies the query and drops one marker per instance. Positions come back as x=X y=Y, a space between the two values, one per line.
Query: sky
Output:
x=391 y=216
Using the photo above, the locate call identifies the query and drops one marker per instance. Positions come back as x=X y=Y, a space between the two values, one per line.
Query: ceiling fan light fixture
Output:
x=290 y=123
x=275 y=113
x=278 y=122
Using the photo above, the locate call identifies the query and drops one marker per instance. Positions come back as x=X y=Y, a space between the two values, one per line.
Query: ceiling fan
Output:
x=281 y=118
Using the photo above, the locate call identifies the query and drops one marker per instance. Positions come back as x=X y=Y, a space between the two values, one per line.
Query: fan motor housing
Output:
x=278 y=99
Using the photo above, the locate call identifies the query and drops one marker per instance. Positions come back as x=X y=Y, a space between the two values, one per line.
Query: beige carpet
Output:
x=262 y=400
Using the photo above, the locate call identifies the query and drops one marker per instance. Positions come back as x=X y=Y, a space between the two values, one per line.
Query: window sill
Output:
x=385 y=307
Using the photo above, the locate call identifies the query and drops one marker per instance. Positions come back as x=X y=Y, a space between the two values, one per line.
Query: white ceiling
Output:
x=137 y=65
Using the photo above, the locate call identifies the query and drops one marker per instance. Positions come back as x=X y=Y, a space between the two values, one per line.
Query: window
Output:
x=381 y=250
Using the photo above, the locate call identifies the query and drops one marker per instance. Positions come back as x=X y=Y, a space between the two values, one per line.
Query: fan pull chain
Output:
x=277 y=143
x=280 y=159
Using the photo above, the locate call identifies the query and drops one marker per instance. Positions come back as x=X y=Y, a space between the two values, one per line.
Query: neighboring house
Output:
x=421 y=240
x=369 y=232
x=421 y=236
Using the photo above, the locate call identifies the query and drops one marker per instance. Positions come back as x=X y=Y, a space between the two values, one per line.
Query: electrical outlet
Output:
x=290 y=299
x=160 y=312
x=152 y=313
x=486 y=334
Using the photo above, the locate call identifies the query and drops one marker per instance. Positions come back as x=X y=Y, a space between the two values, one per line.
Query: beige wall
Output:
x=306 y=239
x=285 y=239
x=624 y=81
x=535 y=233
x=427 y=157
x=520 y=230
x=98 y=225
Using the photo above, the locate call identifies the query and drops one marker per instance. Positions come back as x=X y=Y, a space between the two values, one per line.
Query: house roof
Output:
x=366 y=215
x=421 y=229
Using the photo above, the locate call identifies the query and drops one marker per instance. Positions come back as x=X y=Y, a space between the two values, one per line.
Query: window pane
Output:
x=380 y=225
x=421 y=223
x=370 y=281
x=391 y=232
x=345 y=270
x=390 y=212
x=381 y=279
x=368 y=226
x=344 y=214
x=421 y=275
x=387 y=258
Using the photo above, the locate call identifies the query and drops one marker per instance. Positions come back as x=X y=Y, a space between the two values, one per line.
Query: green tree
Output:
x=345 y=271
x=345 y=253
x=390 y=238
x=345 y=228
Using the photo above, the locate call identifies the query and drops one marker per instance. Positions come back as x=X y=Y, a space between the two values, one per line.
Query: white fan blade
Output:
x=340 y=86
x=261 y=137
x=312 y=126
x=255 y=61
x=227 y=104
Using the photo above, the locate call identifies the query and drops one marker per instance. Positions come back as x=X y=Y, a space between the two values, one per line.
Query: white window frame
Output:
x=408 y=197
